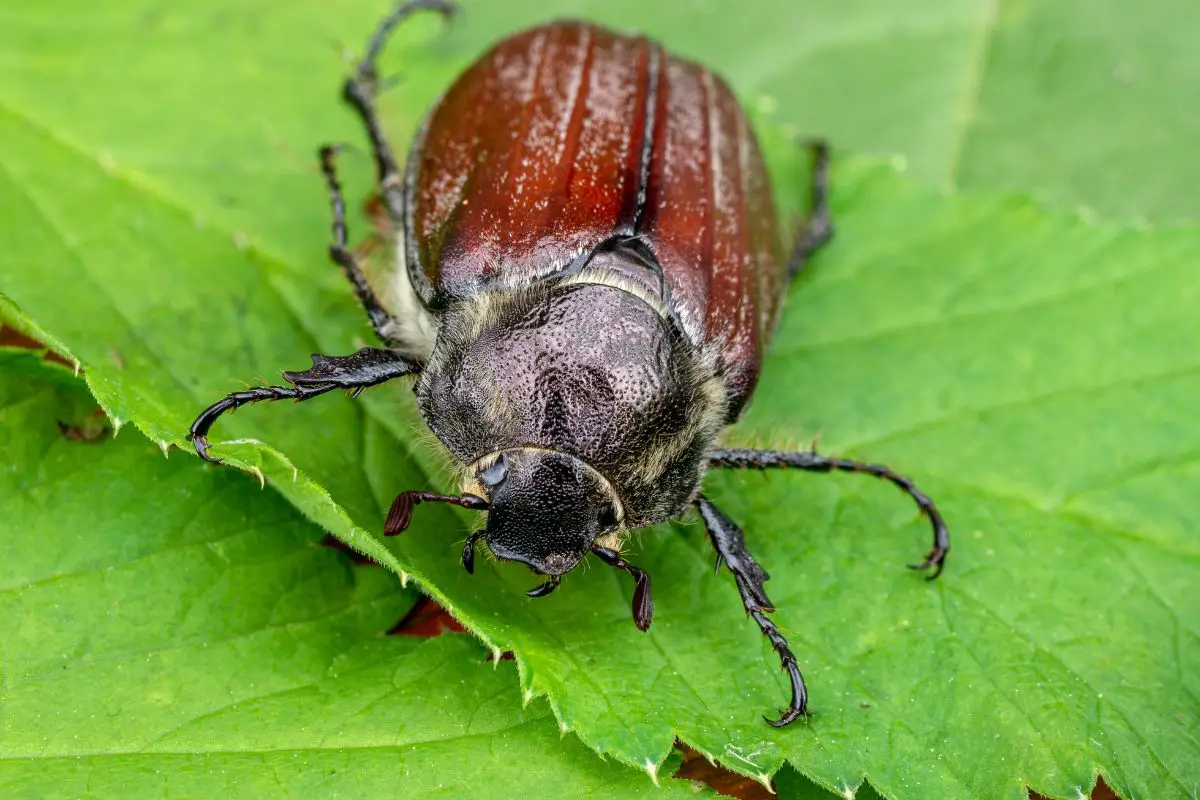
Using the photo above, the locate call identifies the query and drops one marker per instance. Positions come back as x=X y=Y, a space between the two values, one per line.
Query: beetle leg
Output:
x=340 y=252
x=817 y=229
x=730 y=544
x=812 y=462
x=361 y=88
x=368 y=367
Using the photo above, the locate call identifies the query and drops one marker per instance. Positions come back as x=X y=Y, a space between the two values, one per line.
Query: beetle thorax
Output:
x=582 y=368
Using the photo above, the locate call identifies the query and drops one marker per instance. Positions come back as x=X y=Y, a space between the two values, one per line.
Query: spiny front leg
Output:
x=730 y=544
x=368 y=367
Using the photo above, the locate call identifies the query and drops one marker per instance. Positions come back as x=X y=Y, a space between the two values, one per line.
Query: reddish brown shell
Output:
x=564 y=135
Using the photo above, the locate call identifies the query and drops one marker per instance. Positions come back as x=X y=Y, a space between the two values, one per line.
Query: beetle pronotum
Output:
x=588 y=270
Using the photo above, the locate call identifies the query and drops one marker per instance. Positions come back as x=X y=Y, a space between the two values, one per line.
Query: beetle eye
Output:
x=608 y=517
x=495 y=474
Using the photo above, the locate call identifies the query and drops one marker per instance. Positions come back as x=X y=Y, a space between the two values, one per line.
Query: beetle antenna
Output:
x=643 y=601
x=400 y=513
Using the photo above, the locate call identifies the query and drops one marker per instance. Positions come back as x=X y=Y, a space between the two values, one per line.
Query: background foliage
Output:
x=1008 y=315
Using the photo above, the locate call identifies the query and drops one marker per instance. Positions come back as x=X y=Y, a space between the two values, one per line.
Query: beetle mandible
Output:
x=588 y=271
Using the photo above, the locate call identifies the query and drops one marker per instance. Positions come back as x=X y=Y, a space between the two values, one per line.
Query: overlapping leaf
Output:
x=1035 y=371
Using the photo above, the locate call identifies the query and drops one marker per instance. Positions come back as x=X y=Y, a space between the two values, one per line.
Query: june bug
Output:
x=588 y=269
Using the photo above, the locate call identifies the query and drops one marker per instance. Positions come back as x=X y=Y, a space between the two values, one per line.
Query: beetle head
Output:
x=545 y=509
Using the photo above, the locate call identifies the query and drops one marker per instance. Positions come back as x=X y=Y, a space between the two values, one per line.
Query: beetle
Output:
x=588 y=269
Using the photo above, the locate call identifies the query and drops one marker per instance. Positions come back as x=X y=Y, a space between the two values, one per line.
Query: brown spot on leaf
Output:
x=13 y=338
x=426 y=618
x=696 y=767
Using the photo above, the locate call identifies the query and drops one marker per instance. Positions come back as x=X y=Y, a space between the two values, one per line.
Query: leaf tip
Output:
x=165 y=446
x=262 y=479
x=765 y=780
x=651 y=770
x=116 y=423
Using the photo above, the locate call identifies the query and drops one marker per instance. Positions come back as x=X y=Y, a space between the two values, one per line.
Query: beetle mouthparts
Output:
x=643 y=600
x=546 y=588
x=468 y=555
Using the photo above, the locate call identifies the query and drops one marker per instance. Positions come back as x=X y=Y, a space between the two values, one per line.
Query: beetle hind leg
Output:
x=817 y=229
x=362 y=87
x=730 y=544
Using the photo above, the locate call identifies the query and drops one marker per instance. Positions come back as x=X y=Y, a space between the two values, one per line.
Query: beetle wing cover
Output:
x=710 y=217
x=533 y=156
x=561 y=137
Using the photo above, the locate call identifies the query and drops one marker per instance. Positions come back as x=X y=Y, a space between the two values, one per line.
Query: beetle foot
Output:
x=935 y=559
x=202 y=446
x=786 y=717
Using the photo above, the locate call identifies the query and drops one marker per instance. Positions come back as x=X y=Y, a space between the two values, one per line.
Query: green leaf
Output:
x=1034 y=371
x=171 y=631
